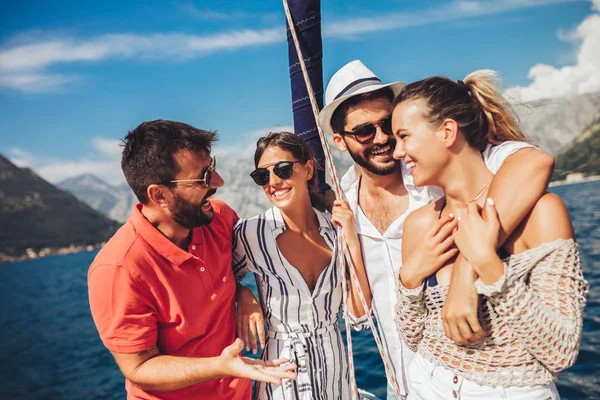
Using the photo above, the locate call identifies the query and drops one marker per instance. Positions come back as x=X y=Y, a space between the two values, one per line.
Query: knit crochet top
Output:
x=532 y=317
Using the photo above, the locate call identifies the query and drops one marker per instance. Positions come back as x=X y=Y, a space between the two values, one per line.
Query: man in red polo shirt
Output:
x=162 y=289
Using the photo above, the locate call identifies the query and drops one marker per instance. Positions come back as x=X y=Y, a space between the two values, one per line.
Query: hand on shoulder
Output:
x=427 y=244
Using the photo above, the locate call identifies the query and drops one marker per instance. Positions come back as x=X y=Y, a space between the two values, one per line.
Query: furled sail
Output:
x=307 y=20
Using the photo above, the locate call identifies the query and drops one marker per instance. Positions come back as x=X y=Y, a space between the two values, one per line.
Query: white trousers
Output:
x=391 y=393
x=426 y=381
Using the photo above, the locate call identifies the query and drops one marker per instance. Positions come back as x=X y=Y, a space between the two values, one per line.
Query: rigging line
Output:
x=342 y=246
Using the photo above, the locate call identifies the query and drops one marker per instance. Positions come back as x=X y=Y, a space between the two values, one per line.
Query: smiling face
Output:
x=418 y=143
x=190 y=207
x=290 y=192
x=376 y=156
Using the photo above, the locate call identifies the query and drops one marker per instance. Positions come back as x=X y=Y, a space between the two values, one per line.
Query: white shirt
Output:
x=382 y=254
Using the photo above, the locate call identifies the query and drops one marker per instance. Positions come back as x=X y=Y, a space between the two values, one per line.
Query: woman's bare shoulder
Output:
x=548 y=221
x=423 y=218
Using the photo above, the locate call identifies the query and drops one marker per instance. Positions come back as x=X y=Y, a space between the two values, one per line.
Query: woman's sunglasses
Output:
x=283 y=169
x=366 y=133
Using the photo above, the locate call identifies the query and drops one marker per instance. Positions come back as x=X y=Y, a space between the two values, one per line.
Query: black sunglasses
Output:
x=283 y=169
x=205 y=180
x=366 y=133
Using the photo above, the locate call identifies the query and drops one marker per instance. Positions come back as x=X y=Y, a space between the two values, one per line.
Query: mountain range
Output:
x=83 y=211
x=114 y=201
x=582 y=155
x=37 y=215
x=239 y=191
x=551 y=124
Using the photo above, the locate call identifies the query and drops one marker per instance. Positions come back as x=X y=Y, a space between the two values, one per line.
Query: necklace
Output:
x=464 y=205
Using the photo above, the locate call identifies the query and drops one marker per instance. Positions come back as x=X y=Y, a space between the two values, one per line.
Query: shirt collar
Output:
x=351 y=180
x=155 y=239
x=349 y=184
x=278 y=224
x=418 y=196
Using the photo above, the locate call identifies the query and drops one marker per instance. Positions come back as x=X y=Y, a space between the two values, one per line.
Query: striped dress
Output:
x=302 y=326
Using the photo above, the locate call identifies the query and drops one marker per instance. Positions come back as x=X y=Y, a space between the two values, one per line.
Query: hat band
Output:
x=357 y=84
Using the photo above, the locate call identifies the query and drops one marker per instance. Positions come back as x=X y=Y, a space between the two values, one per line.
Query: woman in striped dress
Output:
x=292 y=250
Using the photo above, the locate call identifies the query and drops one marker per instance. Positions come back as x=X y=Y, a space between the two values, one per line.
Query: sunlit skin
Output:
x=302 y=235
x=517 y=175
x=418 y=143
x=376 y=157
x=152 y=370
x=190 y=213
x=287 y=194
x=164 y=200
x=382 y=197
x=440 y=155
x=301 y=238
x=193 y=166
x=437 y=155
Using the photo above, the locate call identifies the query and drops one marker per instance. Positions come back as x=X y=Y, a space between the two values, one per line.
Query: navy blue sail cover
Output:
x=306 y=15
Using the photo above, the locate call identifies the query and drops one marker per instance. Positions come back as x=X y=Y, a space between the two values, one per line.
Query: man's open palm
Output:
x=271 y=371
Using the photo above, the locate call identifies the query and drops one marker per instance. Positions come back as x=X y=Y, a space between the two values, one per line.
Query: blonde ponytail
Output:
x=502 y=121
x=482 y=114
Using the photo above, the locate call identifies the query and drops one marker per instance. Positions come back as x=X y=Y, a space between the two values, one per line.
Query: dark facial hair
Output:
x=190 y=215
x=364 y=161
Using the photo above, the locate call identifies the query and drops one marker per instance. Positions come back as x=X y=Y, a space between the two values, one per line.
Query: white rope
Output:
x=342 y=246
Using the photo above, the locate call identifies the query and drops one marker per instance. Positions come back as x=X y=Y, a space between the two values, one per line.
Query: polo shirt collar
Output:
x=278 y=224
x=155 y=239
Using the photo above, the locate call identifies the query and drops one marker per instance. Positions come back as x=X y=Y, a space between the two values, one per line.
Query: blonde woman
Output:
x=533 y=291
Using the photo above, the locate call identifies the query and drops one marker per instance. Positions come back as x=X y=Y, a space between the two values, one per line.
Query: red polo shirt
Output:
x=144 y=290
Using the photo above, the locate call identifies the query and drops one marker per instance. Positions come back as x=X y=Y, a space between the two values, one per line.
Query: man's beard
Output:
x=190 y=215
x=364 y=161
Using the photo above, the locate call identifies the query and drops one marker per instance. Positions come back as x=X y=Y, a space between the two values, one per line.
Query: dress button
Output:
x=454 y=394
x=201 y=269
x=194 y=247
x=455 y=379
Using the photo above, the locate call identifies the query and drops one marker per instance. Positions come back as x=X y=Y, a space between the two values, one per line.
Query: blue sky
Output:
x=73 y=80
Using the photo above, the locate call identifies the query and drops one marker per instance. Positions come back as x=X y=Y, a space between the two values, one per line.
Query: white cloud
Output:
x=108 y=171
x=246 y=144
x=206 y=14
x=108 y=147
x=457 y=10
x=39 y=55
x=105 y=159
x=25 y=60
x=104 y=162
x=582 y=77
x=20 y=157
x=211 y=15
x=32 y=82
x=24 y=66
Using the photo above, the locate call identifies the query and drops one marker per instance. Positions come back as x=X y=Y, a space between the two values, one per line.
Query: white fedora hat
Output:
x=352 y=79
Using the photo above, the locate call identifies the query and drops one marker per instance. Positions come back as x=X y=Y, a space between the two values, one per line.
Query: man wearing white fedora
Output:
x=380 y=191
